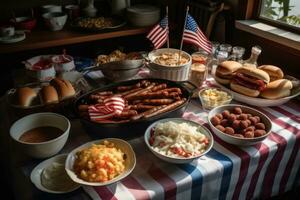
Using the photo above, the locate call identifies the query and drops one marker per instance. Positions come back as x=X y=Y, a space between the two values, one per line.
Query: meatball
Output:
x=232 y=117
x=229 y=130
x=221 y=128
x=215 y=121
x=236 y=124
x=224 y=122
x=244 y=124
x=259 y=132
x=260 y=126
x=220 y=116
x=237 y=110
x=226 y=114
x=243 y=116
x=249 y=134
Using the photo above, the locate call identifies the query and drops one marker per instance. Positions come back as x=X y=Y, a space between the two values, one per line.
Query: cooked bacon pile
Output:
x=142 y=100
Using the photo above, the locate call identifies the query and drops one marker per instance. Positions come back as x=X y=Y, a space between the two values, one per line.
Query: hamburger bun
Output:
x=274 y=72
x=25 y=95
x=63 y=87
x=243 y=90
x=49 y=94
x=277 y=89
x=256 y=73
x=225 y=71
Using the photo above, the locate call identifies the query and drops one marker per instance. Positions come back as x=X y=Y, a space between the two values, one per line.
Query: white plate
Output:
x=257 y=101
x=12 y=39
x=125 y=147
x=36 y=173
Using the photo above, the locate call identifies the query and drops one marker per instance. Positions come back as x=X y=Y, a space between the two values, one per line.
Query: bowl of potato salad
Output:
x=178 y=140
x=100 y=162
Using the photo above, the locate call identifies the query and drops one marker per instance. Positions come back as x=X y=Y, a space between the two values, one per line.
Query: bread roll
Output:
x=25 y=95
x=49 y=94
x=225 y=71
x=63 y=87
x=243 y=90
x=274 y=72
x=277 y=89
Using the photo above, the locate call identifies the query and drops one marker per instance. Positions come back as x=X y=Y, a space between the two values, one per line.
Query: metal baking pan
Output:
x=136 y=128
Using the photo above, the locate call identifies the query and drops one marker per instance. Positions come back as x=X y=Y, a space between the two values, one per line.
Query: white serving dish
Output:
x=258 y=101
x=174 y=73
x=36 y=174
x=55 y=20
x=42 y=149
x=121 y=144
x=236 y=140
x=170 y=159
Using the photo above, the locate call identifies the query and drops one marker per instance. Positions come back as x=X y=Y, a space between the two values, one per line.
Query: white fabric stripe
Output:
x=293 y=174
x=159 y=36
x=235 y=168
x=120 y=191
x=91 y=192
x=182 y=179
x=149 y=184
x=253 y=164
x=202 y=36
x=161 y=40
x=290 y=138
x=212 y=171
x=194 y=41
x=196 y=36
x=272 y=150
x=153 y=32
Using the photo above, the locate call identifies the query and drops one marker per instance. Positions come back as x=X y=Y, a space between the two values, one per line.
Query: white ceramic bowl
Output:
x=125 y=147
x=36 y=174
x=143 y=15
x=174 y=73
x=170 y=159
x=55 y=21
x=61 y=64
x=236 y=140
x=43 y=149
x=40 y=74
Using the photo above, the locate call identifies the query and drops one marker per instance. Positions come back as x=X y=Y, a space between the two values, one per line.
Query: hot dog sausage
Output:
x=126 y=114
x=133 y=94
x=164 y=109
x=157 y=101
x=136 y=117
x=159 y=87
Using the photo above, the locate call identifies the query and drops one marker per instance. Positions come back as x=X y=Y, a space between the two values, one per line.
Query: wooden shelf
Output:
x=43 y=38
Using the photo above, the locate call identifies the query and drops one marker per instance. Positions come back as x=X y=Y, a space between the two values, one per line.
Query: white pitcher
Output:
x=119 y=6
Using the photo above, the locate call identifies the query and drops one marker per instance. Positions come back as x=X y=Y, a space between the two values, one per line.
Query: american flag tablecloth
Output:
x=226 y=172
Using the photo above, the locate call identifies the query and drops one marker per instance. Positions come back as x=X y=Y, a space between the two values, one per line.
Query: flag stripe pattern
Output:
x=159 y=33
x=192 y=34
x=226 y=172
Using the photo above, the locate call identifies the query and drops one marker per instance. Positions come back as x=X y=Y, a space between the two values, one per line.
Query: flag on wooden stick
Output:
x=192 y=34
x=159 y=34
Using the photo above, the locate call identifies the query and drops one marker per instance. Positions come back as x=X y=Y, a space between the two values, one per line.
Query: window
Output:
x=282 y=12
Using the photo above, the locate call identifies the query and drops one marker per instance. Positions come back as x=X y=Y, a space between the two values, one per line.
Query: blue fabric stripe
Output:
x=197 y=179
x=227 y=170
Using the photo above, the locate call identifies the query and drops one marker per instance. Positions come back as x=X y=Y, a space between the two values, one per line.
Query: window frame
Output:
x=253 y=10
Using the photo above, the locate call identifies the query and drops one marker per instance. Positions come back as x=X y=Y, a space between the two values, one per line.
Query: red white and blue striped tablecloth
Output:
x=226 y=172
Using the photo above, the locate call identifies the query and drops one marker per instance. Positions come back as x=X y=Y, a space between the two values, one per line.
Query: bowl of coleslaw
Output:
x=177 y=140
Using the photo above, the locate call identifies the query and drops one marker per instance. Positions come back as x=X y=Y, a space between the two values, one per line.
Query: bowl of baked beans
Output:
x=239 y=125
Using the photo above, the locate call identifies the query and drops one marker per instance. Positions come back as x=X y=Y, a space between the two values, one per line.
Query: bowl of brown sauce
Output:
x=41 y=135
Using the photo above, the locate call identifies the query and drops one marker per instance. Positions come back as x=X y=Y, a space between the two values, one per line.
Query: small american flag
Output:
x=192 y=34
x=159 y=34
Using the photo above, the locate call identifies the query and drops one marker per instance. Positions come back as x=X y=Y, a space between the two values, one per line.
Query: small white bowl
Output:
x=170 y=159
x=55 y=20
x=125 y=147
x=42 y=149
x=236 y=140
x=60 y=63
x=37 y=172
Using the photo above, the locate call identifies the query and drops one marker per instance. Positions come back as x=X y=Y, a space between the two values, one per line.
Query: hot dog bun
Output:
x=49 y=94
x=63 y=87
x=243 y=90
x=25 y=95
x=274 y=72
x=277 y=89
x=226 y=70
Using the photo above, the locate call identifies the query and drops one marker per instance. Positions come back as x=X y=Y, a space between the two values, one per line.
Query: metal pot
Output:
x=133 y=128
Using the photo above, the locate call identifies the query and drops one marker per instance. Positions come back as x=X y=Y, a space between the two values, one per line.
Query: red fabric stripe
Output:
x=160 y=42
x=196 y=38
x=273 y=166
x=289 y=165
x=294 y=104
x=264 y=153
x=159 y=36
x=105 y=193
x=135 y=188
x=192 y=41
x=168 y=184
x=290 y=115
x=153 y=32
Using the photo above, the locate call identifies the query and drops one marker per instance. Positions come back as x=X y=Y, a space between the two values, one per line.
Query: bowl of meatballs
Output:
x=239 y=125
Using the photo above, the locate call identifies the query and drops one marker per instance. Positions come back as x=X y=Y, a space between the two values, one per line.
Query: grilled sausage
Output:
x=136 y=117
x=133 y=94
x=157 y=101
x=126 y=114
x=159 y=87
